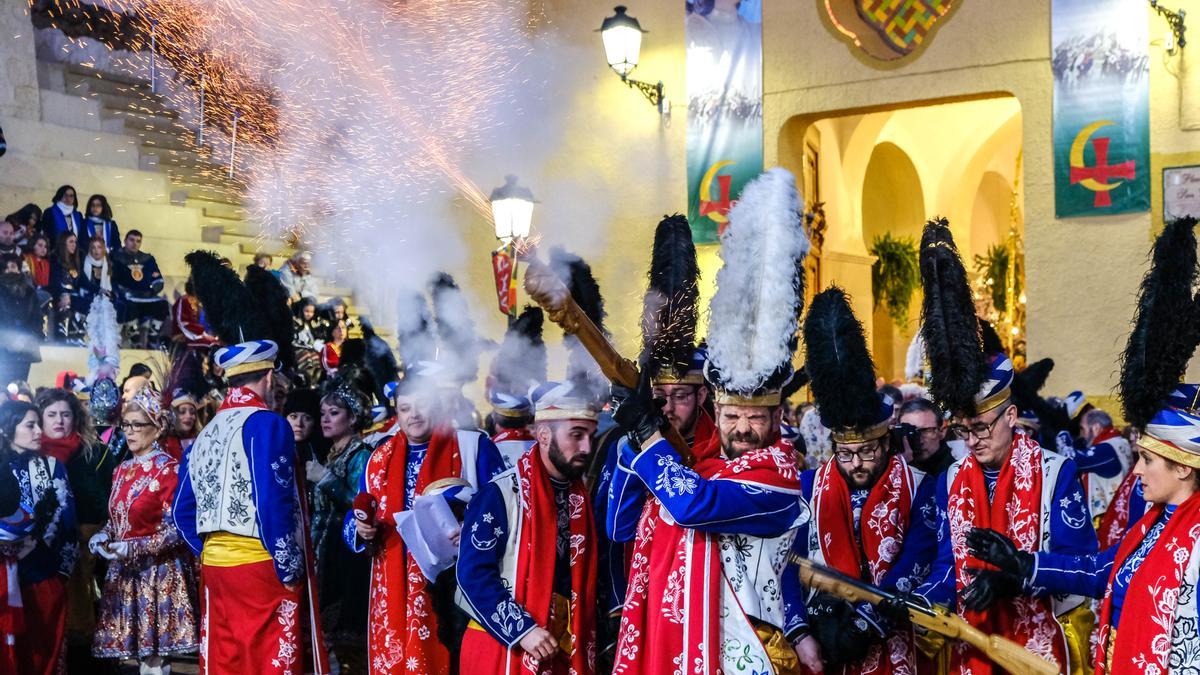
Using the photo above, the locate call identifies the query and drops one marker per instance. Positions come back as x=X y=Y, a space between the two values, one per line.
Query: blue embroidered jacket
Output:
x=1071 y=530
x=270 y=451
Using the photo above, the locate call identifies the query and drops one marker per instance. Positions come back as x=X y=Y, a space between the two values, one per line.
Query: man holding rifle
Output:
x=862 y=503
x=709 y=553
x=1007 y=483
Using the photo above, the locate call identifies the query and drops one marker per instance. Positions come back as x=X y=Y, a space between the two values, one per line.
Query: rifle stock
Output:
x=1005 y=653
x=548 y=291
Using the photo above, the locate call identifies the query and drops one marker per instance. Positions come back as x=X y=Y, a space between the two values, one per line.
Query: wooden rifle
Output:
x=548 y=291
x=1004 y=652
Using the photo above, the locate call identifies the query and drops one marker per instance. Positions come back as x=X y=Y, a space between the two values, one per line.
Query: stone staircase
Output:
x=110 y=134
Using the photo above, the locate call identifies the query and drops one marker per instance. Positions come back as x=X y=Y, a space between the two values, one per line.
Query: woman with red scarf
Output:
x=44 y=568
x=68 y=436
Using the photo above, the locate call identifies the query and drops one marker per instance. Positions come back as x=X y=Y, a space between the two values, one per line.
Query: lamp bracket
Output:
x=652 y=92
x=1175 y=21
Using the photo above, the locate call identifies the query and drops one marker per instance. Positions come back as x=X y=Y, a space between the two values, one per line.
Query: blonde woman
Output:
x=148 y=608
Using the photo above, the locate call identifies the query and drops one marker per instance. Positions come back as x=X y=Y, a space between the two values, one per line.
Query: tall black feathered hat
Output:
x=754 y=314
x=962 y=379
x=841 y=372
x=272 y=300
x=670 y=307
x=1165 y=333
x=577 y=275
x=378 y=359
x=519 y=365
x=238 y=317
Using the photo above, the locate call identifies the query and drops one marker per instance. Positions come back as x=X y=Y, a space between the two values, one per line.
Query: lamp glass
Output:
x=512 y=216
x=622 y=46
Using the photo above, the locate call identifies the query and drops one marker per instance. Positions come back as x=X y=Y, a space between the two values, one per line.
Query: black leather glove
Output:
x=843 y=633
x=636 y=411
x=894 y=610
x=1014 y=569
x=996 y=549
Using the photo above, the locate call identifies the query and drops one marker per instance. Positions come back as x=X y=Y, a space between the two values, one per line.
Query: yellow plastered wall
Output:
x=1082 y=274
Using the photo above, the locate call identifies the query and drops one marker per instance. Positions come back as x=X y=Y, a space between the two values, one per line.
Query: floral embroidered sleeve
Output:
x=484 y=541
x=626 y=495
x=795 y=607
x=721 y=505
x=271 y=450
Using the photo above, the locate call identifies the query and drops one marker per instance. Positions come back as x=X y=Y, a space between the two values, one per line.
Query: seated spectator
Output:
x=63 y=215
x=138 y=287
x=8 y=245
x=265 y=261
x=37 y=262
x=20 y=322
x=331 y=354
x=100 y=224
x=25 y=222
x=296 y=277
x=95 y=277
x=67 y=289
x=335 y=311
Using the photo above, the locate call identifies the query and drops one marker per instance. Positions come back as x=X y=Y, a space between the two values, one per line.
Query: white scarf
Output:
x=89 y=262
x=66 y=210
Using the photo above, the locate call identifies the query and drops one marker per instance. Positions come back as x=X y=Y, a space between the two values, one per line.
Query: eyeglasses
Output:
x=867 y=453
x=134 y=426
x=677 y=397
x=979 y=430
x=928 y=432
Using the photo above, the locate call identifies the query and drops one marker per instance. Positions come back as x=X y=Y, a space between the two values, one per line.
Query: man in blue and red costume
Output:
x=711 y=540
x=865 y=504
x=1146 y=580
x=1007 y=482
x=414 y=625
x=527 y=567
x=240 y=502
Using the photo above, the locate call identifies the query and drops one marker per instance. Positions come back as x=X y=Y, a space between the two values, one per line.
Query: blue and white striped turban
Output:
x=997 y=387
x=247 y=357
x=1175 y=434
x=562 y=401
x=510 y=405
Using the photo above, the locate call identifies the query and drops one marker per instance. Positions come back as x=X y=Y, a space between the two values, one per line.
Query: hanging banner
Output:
x=1101 y=67
x=724 y=91
x=504 y=271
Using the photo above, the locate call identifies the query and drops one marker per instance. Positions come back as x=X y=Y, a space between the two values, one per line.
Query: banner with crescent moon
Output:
x=724 y=90
x=1101 y=66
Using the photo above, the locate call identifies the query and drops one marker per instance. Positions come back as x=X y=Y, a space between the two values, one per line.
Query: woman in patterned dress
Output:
x=43 y=569
x=343 y=577
x=148 y=609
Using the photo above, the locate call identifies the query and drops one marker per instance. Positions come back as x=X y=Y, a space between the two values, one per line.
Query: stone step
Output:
x=204 y=193
x=139 y=105
x=220 y=211
x=50 y=141
x=69 y=110
x=82 y=71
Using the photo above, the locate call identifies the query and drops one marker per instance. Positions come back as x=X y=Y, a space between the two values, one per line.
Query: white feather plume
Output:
x=754 y=314
x=104 y=342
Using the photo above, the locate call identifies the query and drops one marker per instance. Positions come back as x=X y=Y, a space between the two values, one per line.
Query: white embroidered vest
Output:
x=1101 y=490
x=219 y=469
x=1052 y=464
x=753 y=567
x=509 y=483
x=511 y=451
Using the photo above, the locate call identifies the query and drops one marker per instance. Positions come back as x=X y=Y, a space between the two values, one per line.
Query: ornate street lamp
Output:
x=622 y=36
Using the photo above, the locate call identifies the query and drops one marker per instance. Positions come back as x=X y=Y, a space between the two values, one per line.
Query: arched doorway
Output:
x=893 y=203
